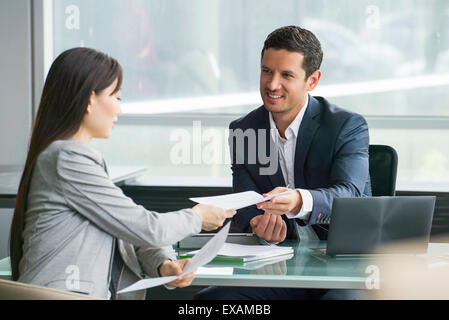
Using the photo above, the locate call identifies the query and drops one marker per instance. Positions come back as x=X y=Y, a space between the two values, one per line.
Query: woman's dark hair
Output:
x=72 y=78
x=296 y=39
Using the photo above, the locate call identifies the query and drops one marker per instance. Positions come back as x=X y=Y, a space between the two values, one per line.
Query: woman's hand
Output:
x=212 y=217
x=174 y=268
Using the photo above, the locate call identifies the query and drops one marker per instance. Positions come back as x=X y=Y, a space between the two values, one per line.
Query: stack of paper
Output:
x=233 y=252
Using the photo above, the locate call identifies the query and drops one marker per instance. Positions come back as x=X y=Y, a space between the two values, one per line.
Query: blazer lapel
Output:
x=307 y=130
x=276 y=179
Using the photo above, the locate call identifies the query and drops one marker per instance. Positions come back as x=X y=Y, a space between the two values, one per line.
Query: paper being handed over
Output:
x=237 y=200
x=203 y=256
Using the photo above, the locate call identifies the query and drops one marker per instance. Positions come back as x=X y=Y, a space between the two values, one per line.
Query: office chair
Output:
x=13 y=290
x=383 y=163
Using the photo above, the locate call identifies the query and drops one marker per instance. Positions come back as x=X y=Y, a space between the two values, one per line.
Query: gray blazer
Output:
x=75 y=213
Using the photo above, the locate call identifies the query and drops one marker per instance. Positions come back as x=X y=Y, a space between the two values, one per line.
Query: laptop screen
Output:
x=374 y=224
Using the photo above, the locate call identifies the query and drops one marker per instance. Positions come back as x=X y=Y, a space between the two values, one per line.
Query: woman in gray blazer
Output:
x=73 y=229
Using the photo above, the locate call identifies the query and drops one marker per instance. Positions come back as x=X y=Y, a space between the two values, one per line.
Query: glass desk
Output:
x=305 y=269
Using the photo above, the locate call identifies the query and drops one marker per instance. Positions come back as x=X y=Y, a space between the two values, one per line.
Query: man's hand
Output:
x=289 y=202
x=174 y=268
x=269 y=227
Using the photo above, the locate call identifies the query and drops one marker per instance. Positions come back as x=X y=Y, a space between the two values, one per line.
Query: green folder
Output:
x=244 y=259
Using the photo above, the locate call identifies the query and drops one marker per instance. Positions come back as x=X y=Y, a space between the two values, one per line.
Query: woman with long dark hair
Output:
x=73 y=229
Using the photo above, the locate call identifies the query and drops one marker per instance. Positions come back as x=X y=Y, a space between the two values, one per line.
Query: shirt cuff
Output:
x=307 y=206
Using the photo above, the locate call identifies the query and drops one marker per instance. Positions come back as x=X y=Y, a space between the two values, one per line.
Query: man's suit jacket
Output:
x=331 y=160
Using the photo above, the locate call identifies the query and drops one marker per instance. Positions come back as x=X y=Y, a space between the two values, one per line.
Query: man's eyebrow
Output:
x=290 y=72
x=282 y=71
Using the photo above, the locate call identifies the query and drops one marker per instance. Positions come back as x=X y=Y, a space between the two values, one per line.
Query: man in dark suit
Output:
x=323 y=150
x=294 y=142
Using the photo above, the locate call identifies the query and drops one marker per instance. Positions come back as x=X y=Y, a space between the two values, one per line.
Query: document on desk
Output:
x=245 y=253
x=202 y=257
x=237 y=200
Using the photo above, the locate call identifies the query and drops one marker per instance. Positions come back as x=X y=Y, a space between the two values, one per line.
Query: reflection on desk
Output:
x=306 y=269
x=300 y=271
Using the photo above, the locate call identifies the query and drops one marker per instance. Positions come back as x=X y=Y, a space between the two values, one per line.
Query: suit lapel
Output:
x=307 y=130
x=276 y=179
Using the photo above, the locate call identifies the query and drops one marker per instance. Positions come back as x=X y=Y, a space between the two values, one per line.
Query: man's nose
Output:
x=274 y=82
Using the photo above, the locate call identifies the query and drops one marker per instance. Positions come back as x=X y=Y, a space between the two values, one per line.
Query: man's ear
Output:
x=91 y=102
x=313 y=80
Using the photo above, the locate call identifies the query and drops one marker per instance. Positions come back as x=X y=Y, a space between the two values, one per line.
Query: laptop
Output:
x=375 y=224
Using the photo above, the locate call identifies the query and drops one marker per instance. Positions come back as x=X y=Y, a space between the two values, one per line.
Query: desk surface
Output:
x=306 y=269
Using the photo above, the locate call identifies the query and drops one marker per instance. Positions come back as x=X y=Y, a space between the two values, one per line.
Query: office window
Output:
x=197 y=62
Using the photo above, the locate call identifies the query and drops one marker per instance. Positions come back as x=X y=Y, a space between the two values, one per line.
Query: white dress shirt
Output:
x=287 y=149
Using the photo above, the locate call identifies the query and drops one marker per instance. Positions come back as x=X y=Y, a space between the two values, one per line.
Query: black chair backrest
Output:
x=383 y=164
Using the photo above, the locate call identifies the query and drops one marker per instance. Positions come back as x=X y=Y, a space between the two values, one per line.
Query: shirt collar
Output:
x=293 y=128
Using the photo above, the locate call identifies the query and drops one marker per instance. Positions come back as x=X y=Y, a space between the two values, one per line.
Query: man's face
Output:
x=283 y=84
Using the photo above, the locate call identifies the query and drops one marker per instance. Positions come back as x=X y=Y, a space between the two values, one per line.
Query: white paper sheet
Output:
x=209 y=250
x=240 y=250
x=223 y=271
x=202 y=257
x=237 y=200
x=148 y=283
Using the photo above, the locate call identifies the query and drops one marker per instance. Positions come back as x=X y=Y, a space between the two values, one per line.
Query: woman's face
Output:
x=102 y=112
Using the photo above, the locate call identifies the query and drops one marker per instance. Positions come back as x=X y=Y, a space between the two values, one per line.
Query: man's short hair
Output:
x=296 y=39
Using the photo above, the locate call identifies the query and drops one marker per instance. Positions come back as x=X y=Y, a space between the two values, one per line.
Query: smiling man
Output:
x=322 y=153
x=322 y=149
